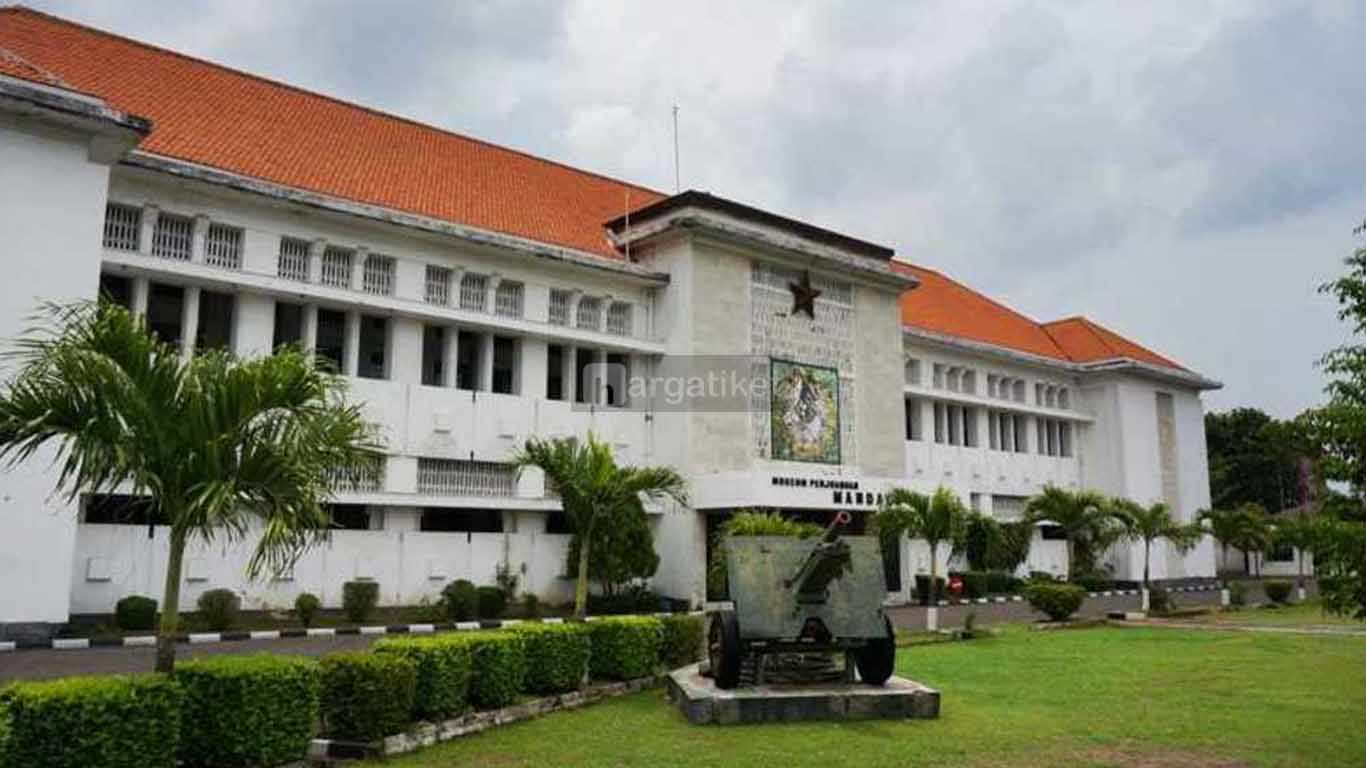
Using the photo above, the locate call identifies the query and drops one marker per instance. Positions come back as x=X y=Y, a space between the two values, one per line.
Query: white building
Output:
x=464 y=288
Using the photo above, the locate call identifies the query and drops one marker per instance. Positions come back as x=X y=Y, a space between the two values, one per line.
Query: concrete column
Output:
x=491 y=297
x=358 y=267
x=189 y=321
x=142 y=289
x=486 y=362
x=452 y=355
x=198 y=239
x=149 y=227
x=351 y=351
x=600 y=391
x=254 y=325
x=315 y=259
x=308 y=330
x=574 y=298
x=571 y=373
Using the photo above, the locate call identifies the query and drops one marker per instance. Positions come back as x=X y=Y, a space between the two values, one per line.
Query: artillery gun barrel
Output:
x=827 y=561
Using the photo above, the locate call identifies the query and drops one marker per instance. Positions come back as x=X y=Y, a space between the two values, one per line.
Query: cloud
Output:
x=1183 y=172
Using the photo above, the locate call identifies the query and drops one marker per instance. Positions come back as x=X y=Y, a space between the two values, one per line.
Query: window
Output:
x=913 y=428
x=557 y=523
x=504 y=365
x=215 y=320
x=1018 y=391
x=330 y=343
x=293 y=263
x=955 y=425
x=1065 y=439
x=554 y=372
x=336 y=267
x=938 y=379
x=507 y=299
x=173 y=236
x=467 y=360
x=1055 y=437
x=368 y=477
x=349 y=517
x=119 y=509
x=618 y=379
x=378 y=275
x=559 y=306
x=968 y=383
x=582 y=359
x=1019 y=432
x=165 y=309
x=969 y=426
x=122 y=227
x=1064 y=398
x=458 y=520
x=590 y=313
x=912 y=371
x=223 y=246
x=474 y=291
x=433 y=356
x=458 y=477
x=619 y=318
x=438 y=285
x=289 y=324
x=116 y=288
x=374 y=343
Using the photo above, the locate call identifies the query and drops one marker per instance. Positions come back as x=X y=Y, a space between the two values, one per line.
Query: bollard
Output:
x=1223 y=597
x=1145 y=600
x=932 y=619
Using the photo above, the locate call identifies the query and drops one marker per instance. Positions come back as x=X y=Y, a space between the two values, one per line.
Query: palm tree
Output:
x=1253 y=535
x=219 y=445
x=938 y=519
x=1224 y=525
x=594 y=490
x=1297 y=532
x=1148 y=524
x=1087 y=520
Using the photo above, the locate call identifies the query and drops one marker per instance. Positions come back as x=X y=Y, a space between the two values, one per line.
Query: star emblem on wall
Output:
x=803 y=296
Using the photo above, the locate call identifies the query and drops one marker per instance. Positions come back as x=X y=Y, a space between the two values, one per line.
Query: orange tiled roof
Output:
x=225 y=119
x=1085 y=342
x=14 y=65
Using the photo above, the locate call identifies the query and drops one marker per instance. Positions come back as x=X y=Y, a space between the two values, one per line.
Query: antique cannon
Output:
x=801 y=597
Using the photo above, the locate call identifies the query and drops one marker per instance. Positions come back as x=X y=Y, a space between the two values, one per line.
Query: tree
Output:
x=991 y=545
x=1253 y=536
x=1224 y=525
x=218 y=445
x=938 y=519
x=1340 y=565
x=1339 y=427
x=1150 y=523
x=1087 y=521
x=594 y=490
x=622 y=551
x=1300 y=533
x=1253 y=458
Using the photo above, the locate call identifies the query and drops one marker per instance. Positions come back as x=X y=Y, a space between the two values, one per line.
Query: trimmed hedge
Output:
x=492 y=601
x=461 y=599
x=444 y=665
x=499 y=666
x=1055 y=599
x=91 y=722
x=219 y=608
x=681 y=643
x=359 y=598
x=306 y=607
x=366 y=696
x=1277 y=592
x=135 y=613
x=625 y=647
x=247 y=710
x=556 y=656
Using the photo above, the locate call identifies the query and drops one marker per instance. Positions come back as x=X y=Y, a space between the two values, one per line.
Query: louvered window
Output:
x=590 y=313
x=457 y=477
x=172 y=237
x=366 y=479
x=474 y=289
x=378 y=277
x=438 y=285
x=122 y=227
x=336 y=267
x=507 y=300
x=619 y=318
x=223 y=246
x=294 y=259
x=559 y=306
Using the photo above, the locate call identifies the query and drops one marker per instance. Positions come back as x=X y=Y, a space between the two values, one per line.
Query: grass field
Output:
x=1149 y=698
x=1307 y=614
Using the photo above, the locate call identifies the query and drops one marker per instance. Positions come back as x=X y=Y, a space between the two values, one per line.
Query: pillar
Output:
x=351 y=350
x=198 y=238
x=189 y=321
x=308 y=329
x=142 y=290
x=452 y=353
x=485 y=362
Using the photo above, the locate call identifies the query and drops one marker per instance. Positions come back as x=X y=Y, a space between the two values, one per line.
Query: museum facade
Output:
x=475 y=296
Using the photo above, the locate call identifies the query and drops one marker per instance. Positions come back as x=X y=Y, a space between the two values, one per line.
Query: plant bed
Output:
x=425 y=734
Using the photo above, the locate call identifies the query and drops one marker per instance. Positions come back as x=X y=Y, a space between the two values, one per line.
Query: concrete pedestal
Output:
x=700 y=701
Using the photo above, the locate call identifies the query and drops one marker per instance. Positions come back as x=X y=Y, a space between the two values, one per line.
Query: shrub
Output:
x=625 y=647
x=492 y=602
x=556 y=656
x=359 y=599
x=247 y=710
x=1041 y=576
x=135 y=613
x=443 y=666
x=219 y=609
x=306 y=607
x=1058 y=601
x=1093 y=582
x=975 y=583
x=499 y=668
x=1237 y=594
x=1001 y=582
x=1277 y=592
x=531 y=606
x=1159 y=600
x=366 y=696
x=922 y=588
x=461 y=600
x=635 y=598
x=92 y=722
x=682 y=640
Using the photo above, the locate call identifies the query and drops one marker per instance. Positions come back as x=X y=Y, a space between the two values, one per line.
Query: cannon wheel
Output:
x=876 y=659
x=723 y=649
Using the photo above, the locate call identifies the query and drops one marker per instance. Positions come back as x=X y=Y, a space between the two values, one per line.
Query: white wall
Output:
x=52 y=199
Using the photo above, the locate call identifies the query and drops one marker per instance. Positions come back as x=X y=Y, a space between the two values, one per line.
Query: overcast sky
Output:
x=1185 y=173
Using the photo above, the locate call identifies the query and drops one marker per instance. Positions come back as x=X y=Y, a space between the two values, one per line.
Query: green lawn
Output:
x=1155 y=698
x=1307 y=614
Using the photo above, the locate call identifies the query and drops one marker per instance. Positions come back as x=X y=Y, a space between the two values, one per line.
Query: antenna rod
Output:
x=677 y=187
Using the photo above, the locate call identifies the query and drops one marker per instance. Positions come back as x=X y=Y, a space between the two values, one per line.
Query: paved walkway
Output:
x=912 y=617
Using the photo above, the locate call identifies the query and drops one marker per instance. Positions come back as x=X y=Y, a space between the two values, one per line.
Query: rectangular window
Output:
x=165 y=308
x=912 y=372
x=294 y=256
x=1065 y=439
x=968 y=383
x=433 y=356
x=223 y=246
x=940 y=429
x=330 y=343
x=457 y=520
x=507 y=300
x=474 y=291
x=1020 y=431
x=336 y=266
x=559 y=306
x=378 y=275
x=582 y=359
x=912 y=415
x=619 y=318
x=349 y=517
x=590 y=313
x=618 y=379
x=374 y=343
x=554 y=372
x=955 y=417
x=438 y=285
x=117 y=289
x=970 y=427
x=938 y=376
x=289 y=324
x=458 y=477
x=215 y=320
x=118 y=509
x=504 y=365
x=122 y=227
x=1064 y=399
x=173 y=237
x=467 y=360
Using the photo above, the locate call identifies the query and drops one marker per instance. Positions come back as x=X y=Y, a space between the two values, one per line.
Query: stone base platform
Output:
x=700 y=701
